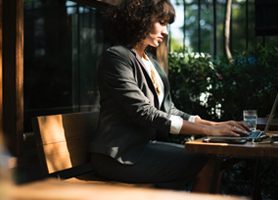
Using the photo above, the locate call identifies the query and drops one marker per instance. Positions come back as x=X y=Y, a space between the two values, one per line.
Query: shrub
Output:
x=217 y=89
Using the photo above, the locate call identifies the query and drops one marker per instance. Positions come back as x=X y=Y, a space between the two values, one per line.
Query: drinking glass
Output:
x=250 y=118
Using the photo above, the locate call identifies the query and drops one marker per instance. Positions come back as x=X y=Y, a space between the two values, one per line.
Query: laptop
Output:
x=254 y=136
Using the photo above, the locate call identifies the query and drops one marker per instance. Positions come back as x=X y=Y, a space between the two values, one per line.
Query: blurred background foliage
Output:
x=219 y=90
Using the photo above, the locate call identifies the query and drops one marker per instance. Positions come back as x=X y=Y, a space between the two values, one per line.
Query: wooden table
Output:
x=250 y=149
x=60 y=190
x=255 y=150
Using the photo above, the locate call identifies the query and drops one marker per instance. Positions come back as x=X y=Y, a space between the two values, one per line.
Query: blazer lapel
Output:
x=162 y=75
x=148 y=78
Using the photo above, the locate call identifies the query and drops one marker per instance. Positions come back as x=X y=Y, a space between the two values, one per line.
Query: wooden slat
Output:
x=64 y=155
x=57 y=128
x=63 y=139
x=51 y=129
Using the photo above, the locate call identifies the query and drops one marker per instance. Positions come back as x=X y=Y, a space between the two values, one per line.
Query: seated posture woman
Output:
x=137 y=113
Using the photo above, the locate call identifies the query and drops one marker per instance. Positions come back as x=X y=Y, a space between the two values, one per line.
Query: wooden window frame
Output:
x=12 y=33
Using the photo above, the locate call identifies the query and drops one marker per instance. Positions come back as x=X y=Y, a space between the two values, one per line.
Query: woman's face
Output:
x=157 y=34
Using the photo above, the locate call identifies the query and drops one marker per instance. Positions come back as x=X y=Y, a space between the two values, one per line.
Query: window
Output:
x=204 y=25
x=63 y=41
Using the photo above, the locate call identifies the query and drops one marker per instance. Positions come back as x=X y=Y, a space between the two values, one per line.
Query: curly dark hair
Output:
x=132 y=20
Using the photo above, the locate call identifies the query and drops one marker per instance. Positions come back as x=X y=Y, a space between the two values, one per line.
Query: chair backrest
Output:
x=63 y=140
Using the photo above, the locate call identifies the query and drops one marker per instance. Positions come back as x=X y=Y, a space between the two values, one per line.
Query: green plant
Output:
x=219 y=90
x=191 y=75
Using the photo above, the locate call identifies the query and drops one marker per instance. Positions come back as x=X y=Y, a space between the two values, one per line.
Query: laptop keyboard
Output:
x=255 y=135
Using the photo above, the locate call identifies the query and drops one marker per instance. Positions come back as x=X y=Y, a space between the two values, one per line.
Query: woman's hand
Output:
x=205 y=127
x=228 y=128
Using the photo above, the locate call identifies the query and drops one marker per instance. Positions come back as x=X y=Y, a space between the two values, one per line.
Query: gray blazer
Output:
x=129 y=114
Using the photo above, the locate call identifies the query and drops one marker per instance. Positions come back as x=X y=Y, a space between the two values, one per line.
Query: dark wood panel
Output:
x=1 y=79
x=12 y=55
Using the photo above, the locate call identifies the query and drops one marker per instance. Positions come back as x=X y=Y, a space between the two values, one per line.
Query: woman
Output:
x=137 y=114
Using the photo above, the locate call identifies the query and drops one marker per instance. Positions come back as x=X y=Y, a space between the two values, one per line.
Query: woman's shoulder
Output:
x=119 y=53
x=119 y=50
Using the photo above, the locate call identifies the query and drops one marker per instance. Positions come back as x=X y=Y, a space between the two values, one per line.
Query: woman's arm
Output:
x=206 y=127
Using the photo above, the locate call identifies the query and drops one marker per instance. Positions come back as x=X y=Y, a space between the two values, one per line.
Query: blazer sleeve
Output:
x=171 y=108
x=118 y=77
x=175 y=111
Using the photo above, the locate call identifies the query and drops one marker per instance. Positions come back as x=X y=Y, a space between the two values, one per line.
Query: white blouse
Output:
x=176 y=121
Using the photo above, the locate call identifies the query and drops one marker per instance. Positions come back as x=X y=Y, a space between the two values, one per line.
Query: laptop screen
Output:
x=274 y=106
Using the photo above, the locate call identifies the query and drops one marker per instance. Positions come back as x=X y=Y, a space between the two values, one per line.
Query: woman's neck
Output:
x=140 y=49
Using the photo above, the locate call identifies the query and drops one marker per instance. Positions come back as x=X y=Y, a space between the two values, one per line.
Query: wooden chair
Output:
x=62 y=143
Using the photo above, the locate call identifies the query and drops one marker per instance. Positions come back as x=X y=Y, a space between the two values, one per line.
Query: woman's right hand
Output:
x=226 y=128
x=230 y=128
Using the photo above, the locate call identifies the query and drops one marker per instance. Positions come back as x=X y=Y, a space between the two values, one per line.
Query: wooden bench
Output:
x=62 y=143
